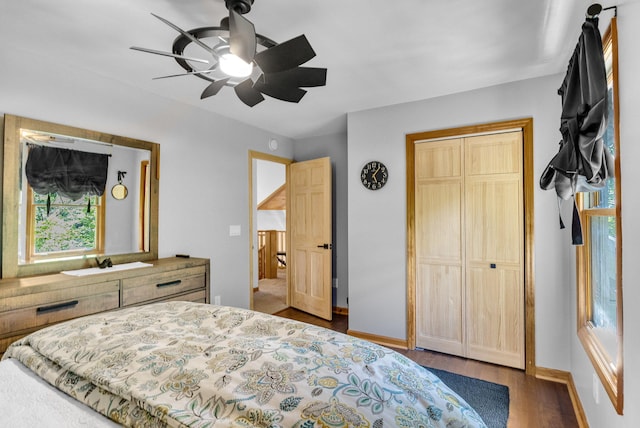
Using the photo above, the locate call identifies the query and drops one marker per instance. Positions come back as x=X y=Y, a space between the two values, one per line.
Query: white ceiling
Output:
x=377 y=52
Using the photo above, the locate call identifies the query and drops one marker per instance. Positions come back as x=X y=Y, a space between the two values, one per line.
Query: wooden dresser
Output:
x=31 y=303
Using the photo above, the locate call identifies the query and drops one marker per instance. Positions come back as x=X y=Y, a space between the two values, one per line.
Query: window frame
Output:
x=31 y=255
x=610 y=372
x=145 y=206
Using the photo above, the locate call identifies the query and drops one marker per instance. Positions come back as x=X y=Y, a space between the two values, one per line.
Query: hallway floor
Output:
x=272 y=295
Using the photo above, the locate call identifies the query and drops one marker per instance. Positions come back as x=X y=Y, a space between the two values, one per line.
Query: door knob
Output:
x=326 y=246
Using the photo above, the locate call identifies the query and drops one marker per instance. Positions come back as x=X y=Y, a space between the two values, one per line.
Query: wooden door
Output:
x=311 y=229
x=495 y=248
x=470 y=247
x=439 y=246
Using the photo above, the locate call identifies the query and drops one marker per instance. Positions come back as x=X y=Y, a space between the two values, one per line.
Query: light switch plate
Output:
x=234 y=230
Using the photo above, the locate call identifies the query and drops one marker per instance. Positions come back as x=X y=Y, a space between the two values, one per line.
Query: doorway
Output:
x=417 y=281
x=308 y=255
x=270 y=296
x=269 y=291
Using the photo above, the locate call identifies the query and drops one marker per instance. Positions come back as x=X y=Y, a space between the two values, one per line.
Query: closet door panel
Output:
x=439 y=247
x=440 y=324
x=440 y=267
x=494 y=249
x=494 y=220
x=438 y=159
x=493 y=154
x=439 y=220
x=495 y=315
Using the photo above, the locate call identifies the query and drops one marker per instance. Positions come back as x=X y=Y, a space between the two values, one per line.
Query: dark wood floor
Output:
x=534 y=403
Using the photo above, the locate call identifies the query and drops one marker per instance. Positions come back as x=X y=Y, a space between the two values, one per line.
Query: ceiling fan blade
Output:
x=242 y=37
x=299 y=76
x=186 y=34
x=286 y=55
x=190 y=73
x=213 y=88
x=247 y=94
x=163 y=53
x=282 y=92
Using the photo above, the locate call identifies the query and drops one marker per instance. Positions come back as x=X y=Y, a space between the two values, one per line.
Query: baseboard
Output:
x=340 y=311
x=256 y=289
x=389 y=342
x=560 y=376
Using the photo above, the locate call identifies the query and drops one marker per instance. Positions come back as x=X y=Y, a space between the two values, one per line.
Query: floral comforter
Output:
x=182 y=364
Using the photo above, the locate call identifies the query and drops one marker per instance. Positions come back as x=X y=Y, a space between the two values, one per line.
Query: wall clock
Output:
x=374 y=175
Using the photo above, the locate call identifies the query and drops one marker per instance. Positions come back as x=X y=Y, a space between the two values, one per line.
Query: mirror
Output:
x=55 y=221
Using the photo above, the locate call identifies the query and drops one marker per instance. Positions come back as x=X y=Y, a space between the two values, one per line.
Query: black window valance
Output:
x=69 y=173
x=583 y=162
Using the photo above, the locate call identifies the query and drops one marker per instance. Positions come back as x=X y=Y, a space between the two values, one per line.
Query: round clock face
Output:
x=374 y=175
x=119 y=191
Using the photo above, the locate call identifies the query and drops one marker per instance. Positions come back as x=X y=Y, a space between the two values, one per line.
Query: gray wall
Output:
x=377 y=220
x=122 y=224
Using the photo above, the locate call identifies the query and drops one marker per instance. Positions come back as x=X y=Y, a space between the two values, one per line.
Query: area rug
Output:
x=489 y=399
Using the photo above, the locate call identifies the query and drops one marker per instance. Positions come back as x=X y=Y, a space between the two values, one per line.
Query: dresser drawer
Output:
x=71 y=305
x=162 y=285
x=43 y=298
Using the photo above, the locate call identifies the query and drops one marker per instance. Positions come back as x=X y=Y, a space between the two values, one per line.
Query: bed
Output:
x=182 y=364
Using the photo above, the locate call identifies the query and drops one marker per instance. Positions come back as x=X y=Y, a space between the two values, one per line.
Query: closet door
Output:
x=469 y=243
x=494 y=249
x=439 y=246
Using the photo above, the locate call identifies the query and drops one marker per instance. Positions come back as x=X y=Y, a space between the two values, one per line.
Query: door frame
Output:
x=255 y=155
x=526 y=125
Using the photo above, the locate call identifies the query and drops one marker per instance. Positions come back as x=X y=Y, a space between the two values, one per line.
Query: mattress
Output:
x=26 y=401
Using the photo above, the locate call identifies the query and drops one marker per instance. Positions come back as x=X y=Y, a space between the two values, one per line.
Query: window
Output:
x=599 y=260
x=70 y=228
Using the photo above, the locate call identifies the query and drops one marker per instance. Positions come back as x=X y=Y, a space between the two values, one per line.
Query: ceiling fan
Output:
x=238 y=57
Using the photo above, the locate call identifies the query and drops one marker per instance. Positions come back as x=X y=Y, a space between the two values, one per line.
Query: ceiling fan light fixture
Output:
x=233 y=66
x=252 y=64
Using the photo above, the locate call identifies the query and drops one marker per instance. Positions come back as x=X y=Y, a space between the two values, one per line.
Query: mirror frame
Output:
x=11 y=195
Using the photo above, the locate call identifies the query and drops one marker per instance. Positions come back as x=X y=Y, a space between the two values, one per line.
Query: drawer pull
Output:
x=169 y=284
x=56 y=307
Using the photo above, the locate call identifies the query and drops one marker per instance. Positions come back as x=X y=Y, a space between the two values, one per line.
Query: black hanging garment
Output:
x=583 y=162
x=69 y=173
